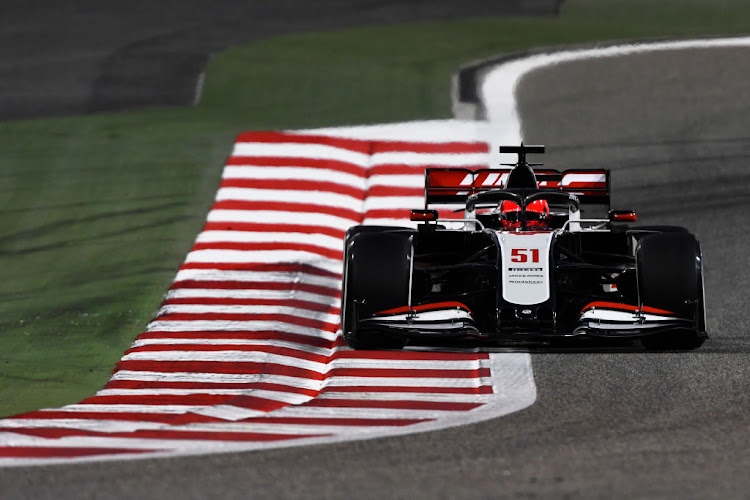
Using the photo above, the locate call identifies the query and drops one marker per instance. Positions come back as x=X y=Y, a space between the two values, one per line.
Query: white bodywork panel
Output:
x=525 y=266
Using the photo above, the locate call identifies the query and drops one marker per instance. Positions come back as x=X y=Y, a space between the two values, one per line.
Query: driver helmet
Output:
x=537 y=214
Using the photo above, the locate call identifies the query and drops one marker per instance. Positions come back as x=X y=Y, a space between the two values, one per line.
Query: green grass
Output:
x=98 y=212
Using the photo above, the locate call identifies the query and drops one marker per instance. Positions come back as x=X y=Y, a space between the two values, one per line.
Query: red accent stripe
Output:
x=66 y=452
x=165 y=418
x=194 y=399
x=413 y=355
x=624 y=307
x=389 y=213
x=654 y=310
x=57 y=433
x=234 y=367
x=405 y=372
x=294 y=185
x=356 y=145
x=255 y=285
x=284 y=161
x=228 y=301
x=243 y=334
x=427 y=307
x=257 y=403
x=447 y=213
x=482 y=389
x=394 y=405
x=283 y=318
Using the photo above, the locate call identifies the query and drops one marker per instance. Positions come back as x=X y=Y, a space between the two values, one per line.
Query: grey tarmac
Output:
x=618 y=423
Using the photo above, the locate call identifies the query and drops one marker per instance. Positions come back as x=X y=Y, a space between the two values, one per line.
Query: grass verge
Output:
x=97 y=212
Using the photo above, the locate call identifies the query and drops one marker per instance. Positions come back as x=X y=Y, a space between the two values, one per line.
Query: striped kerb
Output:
x=245 y=352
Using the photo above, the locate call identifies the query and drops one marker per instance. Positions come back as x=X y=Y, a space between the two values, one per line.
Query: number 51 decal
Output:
x=523 y=254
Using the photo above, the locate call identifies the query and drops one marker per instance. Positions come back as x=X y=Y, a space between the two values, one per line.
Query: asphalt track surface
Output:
x=61 y=58
x=673 y=128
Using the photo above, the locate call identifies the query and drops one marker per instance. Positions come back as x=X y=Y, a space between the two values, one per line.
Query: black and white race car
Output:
x=537 y=255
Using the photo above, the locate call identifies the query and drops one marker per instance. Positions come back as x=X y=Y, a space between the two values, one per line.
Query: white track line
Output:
x=229 y=326
x=310 y=218
x=324 y=198
x=246 y=309
x=257 y=276
x=301 y=150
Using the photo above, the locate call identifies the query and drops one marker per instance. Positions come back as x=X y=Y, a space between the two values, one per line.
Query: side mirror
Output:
x=622 y=215
x=424 y=215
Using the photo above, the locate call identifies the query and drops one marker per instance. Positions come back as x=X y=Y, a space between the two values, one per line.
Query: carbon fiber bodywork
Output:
x=573 y=277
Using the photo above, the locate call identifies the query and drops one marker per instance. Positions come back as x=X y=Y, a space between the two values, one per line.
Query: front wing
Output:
x=454 y=319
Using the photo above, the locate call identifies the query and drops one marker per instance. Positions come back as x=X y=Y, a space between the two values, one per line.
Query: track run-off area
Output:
x=244 y=353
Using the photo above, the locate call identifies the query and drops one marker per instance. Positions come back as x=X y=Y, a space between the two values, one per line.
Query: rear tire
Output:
x=670 y=277
x=376 y=279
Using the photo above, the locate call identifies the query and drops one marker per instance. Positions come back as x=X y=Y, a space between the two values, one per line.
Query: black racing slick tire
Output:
x=376 y=278
x=670 y=277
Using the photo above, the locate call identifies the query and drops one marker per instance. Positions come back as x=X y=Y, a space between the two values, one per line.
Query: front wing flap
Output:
x=443 y=319
x=454 y=319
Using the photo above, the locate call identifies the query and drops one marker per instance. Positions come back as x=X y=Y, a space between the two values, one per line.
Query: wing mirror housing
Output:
x=622 y=215
x=424 y=215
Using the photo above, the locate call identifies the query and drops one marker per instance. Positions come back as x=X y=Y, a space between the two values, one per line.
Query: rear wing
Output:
x=452 y=186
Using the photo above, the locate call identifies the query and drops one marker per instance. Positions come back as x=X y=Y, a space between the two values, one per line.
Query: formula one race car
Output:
x=522 y=264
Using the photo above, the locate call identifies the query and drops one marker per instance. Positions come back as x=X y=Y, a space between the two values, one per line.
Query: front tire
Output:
x=670 y=277
x=378 y=265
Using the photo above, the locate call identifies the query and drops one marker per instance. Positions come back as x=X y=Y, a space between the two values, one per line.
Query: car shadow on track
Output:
x=712 y=346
